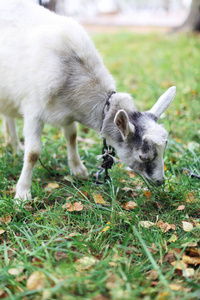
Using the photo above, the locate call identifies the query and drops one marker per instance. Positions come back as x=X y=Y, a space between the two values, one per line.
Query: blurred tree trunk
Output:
x=192 y=23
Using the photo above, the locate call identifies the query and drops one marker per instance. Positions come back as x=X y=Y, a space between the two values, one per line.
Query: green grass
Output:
x=46 y=238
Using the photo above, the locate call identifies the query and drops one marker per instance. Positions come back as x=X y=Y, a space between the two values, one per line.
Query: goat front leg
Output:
x=32 y=134
x=74 y=161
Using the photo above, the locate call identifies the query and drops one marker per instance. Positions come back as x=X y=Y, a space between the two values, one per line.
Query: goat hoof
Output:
x=80 y=172
x=22 y=197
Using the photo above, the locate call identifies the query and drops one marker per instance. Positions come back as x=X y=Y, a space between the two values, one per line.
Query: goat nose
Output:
x=160 y=182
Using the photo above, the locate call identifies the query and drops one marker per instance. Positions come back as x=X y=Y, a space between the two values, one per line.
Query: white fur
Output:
x=51 y=72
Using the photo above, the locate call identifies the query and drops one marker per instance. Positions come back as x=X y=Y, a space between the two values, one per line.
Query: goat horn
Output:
x=163 y=102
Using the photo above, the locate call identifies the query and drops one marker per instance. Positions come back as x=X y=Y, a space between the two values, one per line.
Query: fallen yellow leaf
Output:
x=107 y=227
x=187 y=226
x=129 y=205
x=173 y=238
x=191 y=260
x=35 y=281
x=179 y=265
x=146 y=224
x=99 y=199
x=85 y=263
x=77 y=206
x=175 y=287
x=51 y=186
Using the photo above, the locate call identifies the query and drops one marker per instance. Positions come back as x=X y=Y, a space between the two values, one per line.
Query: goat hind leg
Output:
x=74 y=161
x=11 y=131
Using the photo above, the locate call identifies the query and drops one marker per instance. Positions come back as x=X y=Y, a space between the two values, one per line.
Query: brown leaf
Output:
x=193 y=251
x=99 y=199
x=187 y=226
x=6 y=219
x=101 y=297
x=157 y=204
x=77 y=206
x=181 y=207
x=129 y=205
x=153 y=275
x=131 y=174
x=165 y=226
x=190 y=197
x=60 y=255
x=170 y=256
x=84 y=194
x=147 y=194
x=35 y=281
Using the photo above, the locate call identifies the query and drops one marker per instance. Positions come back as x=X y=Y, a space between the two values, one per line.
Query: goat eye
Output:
x=144 y=158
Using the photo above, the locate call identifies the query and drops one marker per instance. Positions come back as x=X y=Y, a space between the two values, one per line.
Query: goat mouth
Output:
x=152 y=182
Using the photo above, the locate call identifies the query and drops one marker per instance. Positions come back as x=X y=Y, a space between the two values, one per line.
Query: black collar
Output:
x=107 y=103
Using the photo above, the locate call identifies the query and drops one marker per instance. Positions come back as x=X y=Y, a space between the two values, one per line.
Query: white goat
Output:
x=51 y=72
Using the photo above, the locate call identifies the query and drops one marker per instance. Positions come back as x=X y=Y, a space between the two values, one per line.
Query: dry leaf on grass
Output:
x=165 y=226
x=6 y=219
x=175 y=287
x=60 y=255
x=107 y=227
x=190 y=197
x=17 y=270
x=2 y=231
x=179 y=265
x=147 y=194
x=85 y=263
x=153 y=275
x=189 y=272
x=129 y=205
x=146 y=224
x=35 y=281
x=84 y=194
x=191 y=260
x=183 y=261
x=173 y=238
x=77 y=206
x=51 y=186
x=99 y=199
x=187 y=226
x=181 y=207
x=132 y=174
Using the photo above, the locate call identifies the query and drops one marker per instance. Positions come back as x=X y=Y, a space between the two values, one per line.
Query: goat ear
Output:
x=122 y=122
x=163 y=102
